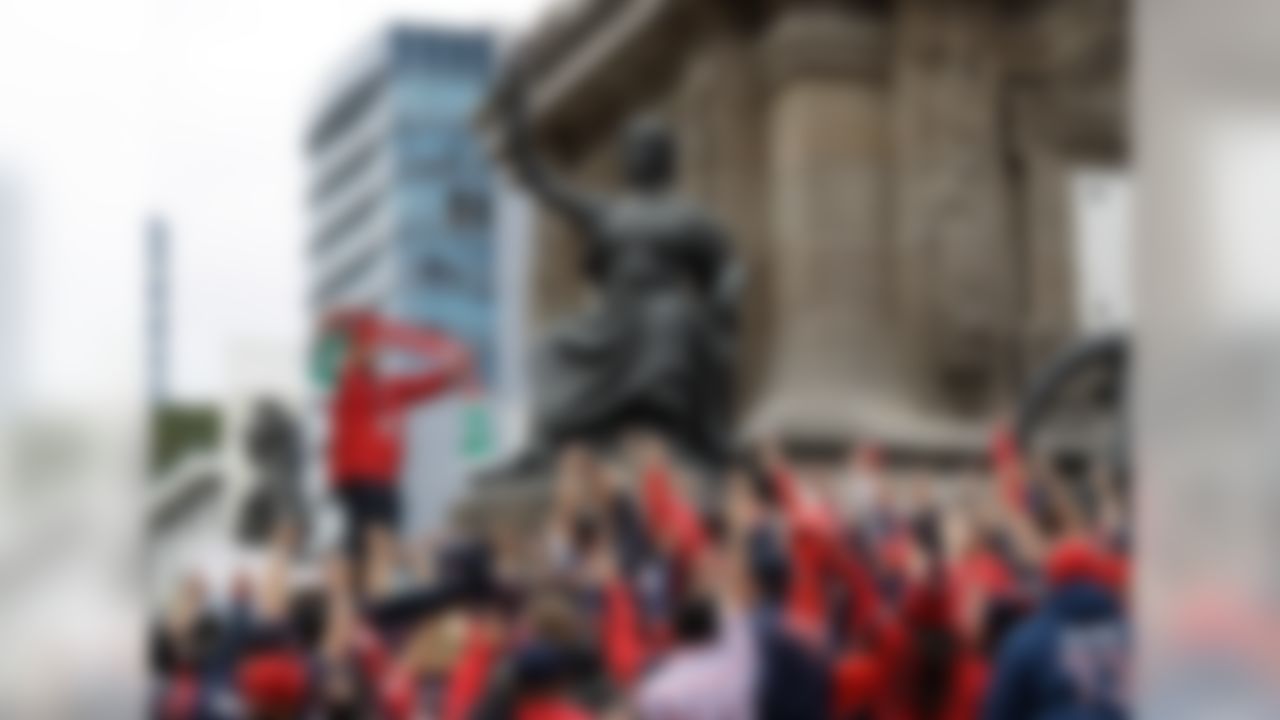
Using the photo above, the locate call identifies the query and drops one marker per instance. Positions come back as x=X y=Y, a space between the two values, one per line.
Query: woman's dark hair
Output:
x=467 y=570
x=696 y=621
x=753 y=472
x=1000 y=617
x=929 y=676
x=585 y=533
x=927 y=679
x=714 y=523
x=204 y=641
x=1046 y=516
x=351 y=705
x=926 y=529
x=307 y=614
x=538 y=668
x=163 y=652
x=769 y=564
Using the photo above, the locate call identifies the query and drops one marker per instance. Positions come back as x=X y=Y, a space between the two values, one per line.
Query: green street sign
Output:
x=326 y=360
x=477 y=431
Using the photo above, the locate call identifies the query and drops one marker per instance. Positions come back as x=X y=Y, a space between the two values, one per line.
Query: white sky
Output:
x=113 y=110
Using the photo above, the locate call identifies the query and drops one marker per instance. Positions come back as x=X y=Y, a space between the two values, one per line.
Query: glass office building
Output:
x=401 y=192
x=403 y=211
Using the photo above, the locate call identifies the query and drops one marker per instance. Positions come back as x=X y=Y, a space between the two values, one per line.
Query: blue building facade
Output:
x=393 y=151
x=403 y=206
x=445 y=189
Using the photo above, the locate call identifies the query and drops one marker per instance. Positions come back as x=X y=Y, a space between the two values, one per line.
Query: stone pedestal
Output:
x=826 y=144
x=719 y=112
x=895 y=174
x=956 y=266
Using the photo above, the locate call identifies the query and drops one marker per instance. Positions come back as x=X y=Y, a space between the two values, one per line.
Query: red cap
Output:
x=894 y=554
x=273 y=682
x=986 y=572
x=858 y=683
x=1115 y=571
x=1077 y=559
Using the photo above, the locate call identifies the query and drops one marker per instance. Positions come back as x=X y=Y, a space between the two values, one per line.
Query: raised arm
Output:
x=425 y=342
x=574 y=204
x=450 y=361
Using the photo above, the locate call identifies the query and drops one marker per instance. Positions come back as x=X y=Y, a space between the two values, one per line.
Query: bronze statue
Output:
x=274 y=445
x=654 y=348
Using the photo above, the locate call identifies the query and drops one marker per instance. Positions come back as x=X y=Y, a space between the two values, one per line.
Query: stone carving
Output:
x=959 y=292
x=653 y=348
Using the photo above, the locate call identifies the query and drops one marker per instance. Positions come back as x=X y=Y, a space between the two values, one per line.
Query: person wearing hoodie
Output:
x=367 y=414
x=794 y=672
x=1069 y=660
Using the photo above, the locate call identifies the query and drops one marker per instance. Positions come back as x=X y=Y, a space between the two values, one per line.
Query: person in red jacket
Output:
x=367 y=414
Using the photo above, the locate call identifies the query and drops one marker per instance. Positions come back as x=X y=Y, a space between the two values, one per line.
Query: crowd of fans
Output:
x=773 y=592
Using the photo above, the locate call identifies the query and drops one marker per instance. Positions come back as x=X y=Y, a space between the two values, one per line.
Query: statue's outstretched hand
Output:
x=511 y=99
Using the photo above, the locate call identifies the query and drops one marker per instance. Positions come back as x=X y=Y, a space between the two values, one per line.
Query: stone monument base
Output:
x=516 y=493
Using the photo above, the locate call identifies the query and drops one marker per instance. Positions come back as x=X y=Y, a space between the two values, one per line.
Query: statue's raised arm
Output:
x=578 y=206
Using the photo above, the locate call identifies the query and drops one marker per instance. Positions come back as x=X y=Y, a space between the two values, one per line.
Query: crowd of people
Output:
x=773 y=590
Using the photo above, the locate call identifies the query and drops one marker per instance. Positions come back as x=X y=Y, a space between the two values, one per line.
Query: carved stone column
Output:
x=1069 y=110
x=957 y=259
x=826 y=148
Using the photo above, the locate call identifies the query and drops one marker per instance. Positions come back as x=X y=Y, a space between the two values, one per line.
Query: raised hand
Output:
x=512 y=103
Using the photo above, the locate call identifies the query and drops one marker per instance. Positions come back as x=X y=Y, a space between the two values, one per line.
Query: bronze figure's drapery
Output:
x=654 y=348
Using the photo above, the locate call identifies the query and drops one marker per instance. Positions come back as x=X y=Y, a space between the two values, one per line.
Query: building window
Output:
x=343 y=225
x=436 y=272
x=357 y=163
x=345 y=277
x=344 y=112
x=468 y=209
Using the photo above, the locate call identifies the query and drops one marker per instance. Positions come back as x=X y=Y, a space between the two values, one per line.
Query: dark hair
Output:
x=713 y=522
x=352 y=705
x=347 y=710
x=926 y=529
x=308 y=611
x=758 y=480
x=1044 y=514
x=696 y=620
x=929 y=676
x=538 y=668
x=163 y=652
x=1000 y=617
x=467 y=569
x=926 y=680
x=769 y=563
x=267 y=637
x=198 y=646
x=585 y=533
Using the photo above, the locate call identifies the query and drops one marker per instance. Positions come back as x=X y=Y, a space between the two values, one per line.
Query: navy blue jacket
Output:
x=1066 y=662
x=795 y=678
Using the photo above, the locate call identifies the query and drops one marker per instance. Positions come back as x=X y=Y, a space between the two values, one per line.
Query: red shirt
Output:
x=366 y=419
x=550 y=708
x=182 y=698
x=969 y=676
x=480 y=653
x=864 y=681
